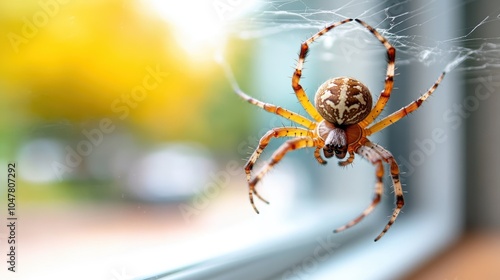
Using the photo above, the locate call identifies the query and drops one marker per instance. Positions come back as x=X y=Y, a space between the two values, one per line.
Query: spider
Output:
x=343 y=118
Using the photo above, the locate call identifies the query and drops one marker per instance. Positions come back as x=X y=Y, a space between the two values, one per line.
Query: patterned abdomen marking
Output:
x=343 y=101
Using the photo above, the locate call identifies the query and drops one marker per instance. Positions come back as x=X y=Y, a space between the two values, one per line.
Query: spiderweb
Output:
x=401 y=22
x=432 y=36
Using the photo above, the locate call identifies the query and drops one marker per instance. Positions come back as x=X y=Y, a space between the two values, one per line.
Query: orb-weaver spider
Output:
x=342 y=121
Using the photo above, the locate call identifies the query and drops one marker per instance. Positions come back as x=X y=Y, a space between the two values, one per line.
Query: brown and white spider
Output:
x=342 y=121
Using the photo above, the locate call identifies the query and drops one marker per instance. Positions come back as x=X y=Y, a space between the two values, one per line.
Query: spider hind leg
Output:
x=377 y=155
x=377 y=160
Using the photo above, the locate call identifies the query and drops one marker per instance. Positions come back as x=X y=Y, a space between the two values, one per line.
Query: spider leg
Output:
x=290 y=145
x=376 y=159
x=389 y=78
x=376 y=155
x=403 y=112
x=264 y=141
x=318 y=157
x=398 y=190
x=287 y=114
x=297 y=88
x=268 y=107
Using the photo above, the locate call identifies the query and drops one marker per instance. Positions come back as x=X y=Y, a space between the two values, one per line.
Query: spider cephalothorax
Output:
x=342 y=120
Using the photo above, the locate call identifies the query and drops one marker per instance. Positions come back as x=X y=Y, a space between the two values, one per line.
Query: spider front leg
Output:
x=290 y=145
x=297 y=74
x=389 y=76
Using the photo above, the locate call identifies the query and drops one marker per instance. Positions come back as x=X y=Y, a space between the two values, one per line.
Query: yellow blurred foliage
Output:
x=75 y=61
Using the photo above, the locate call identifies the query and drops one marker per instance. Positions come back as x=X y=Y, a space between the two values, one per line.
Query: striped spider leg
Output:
x=342 y=117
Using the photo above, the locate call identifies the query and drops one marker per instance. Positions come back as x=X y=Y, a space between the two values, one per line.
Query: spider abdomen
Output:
x=343 y=101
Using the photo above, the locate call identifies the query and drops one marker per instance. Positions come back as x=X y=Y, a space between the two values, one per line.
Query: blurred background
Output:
x=130 y=143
